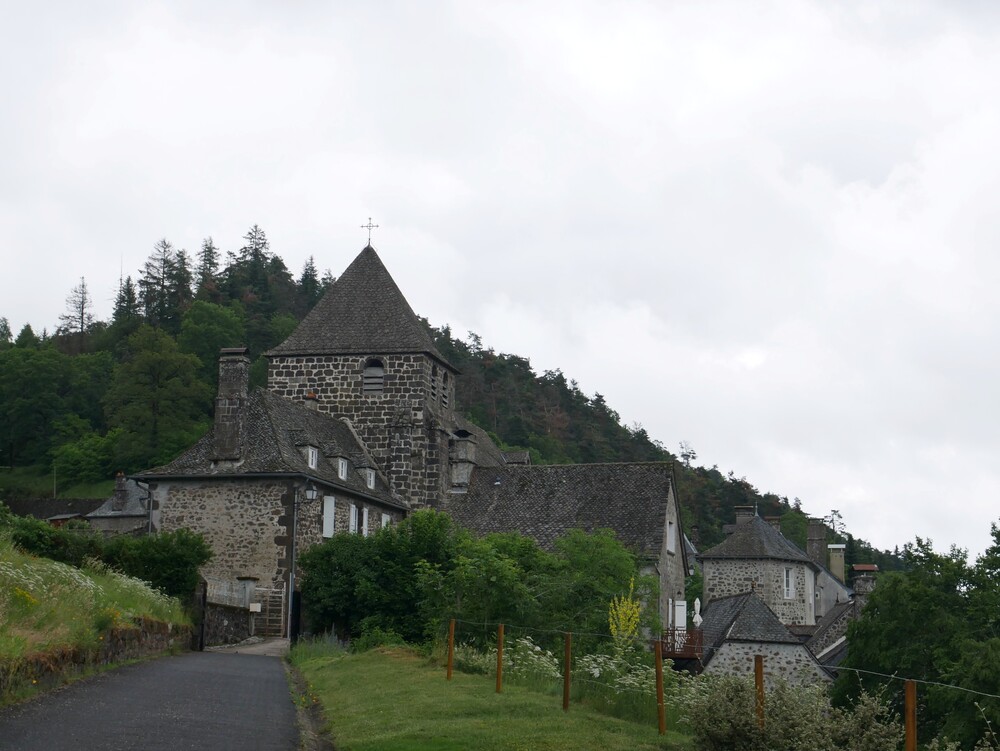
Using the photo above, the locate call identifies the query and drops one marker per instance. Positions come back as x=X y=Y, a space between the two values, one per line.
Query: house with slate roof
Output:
x=737 y=628
x=360 y=406
x=807 y=604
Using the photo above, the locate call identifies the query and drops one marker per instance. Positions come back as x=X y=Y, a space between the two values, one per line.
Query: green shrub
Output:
x=169 y=561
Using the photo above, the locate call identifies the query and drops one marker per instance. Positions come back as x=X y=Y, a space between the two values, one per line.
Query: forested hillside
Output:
x=94 y=397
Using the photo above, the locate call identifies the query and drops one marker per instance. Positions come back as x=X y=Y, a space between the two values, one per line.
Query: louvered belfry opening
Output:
x=373 y=381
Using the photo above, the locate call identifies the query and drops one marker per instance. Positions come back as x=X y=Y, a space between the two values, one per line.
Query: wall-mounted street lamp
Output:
x=309 y=494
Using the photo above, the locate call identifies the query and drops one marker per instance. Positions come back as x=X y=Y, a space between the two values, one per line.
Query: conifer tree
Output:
x=154 y=281
x=79 y=316
x=6 y=336
x=207 y=272
x=309 y=287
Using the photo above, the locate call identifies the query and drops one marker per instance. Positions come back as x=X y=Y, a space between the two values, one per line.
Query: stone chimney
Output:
x=863 y=585
x=744 y=514
x=463 y=459
x=312 y=401
x=120 y=497
x=816 y=541
x=774 y=521
x=234 y=374
x=837 y=560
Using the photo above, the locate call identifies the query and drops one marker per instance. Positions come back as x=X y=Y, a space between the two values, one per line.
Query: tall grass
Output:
x=47 y=606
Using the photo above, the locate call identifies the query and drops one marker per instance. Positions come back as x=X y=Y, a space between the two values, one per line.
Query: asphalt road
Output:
x=192 y=701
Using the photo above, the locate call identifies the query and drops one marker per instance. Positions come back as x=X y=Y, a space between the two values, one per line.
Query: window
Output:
x=789 y=583
x=386 y=520
x=370 y=478
x=329 y=512
x=373 y=381
x=312 y=456
x=434 y=383
x=444 y=389
x=671 y=537
x=342 y=468
x=354 y=518
x=364 y=521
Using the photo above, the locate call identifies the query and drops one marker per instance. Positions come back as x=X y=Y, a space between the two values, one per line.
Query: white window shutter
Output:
x=354 y=518
x=329 y=509
x=364 y=521
x=386 y=520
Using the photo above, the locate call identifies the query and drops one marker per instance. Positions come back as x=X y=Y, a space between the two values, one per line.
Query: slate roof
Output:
x=363 y=312
x=757 y=539
x=275 y=428
x=134 y=503
x=829 y=621
x=745 y=618
x=51 y=508
x=543 y=502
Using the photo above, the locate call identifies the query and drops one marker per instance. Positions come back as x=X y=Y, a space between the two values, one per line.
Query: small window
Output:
x=434 y=383
x=312 y=456
x=444 y=389
x=386 y=520
x=354 y=518
x=373 y=381
x=342 y=468
x=671 y=537
x=329 y=514
x=789 y=583
x=370 y=478
x=364 y=521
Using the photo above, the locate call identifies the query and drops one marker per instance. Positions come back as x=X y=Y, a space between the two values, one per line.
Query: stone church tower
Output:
x=362 y=354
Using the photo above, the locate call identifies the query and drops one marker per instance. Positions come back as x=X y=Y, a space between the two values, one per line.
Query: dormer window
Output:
x=342 y=468
x=373 y=381
x=369 y=475
x=312 y=456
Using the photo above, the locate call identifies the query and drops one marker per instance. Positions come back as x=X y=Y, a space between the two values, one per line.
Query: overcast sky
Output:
x=766 y=229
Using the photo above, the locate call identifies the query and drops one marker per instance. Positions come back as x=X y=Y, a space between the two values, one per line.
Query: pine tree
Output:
x=179 y=296
x=126 y=303
x=79 y=316
x=154 y=283
x=309 y=289
x=6 y=335
x=207 y=272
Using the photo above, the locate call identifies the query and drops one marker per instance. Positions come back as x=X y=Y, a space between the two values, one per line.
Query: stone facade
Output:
x=246 y=522
x=723 y=578
x=791 y=663
x=401 y=425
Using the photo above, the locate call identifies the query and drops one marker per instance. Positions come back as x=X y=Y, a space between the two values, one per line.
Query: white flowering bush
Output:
x=527 y=659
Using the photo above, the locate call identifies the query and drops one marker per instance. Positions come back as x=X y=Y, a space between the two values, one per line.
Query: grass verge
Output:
x=392 y=699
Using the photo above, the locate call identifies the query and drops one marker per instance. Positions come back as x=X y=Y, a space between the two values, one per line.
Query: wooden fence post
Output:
x=758 y=679
x=661 y=713
x=451 y=646
x=910 y=716
x=566 y=666
x=499 y=658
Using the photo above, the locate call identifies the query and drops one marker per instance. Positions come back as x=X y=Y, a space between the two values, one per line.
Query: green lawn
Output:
x=393 y=699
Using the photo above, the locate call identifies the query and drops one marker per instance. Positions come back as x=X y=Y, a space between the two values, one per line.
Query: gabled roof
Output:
x=363 y=312
x=275 y=429
x=757 y=539
x=544 y=502
x=744 y=618
x=134 y=505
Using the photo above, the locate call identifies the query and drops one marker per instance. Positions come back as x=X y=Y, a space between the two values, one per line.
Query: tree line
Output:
x=132 y=392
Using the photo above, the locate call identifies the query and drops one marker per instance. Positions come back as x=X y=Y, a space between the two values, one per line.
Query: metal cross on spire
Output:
x=369 y=227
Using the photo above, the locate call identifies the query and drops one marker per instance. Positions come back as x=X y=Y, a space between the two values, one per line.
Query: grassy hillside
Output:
x=48 y=607
x=394 y=700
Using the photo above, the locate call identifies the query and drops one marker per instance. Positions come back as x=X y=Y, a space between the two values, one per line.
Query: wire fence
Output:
x=625 y=676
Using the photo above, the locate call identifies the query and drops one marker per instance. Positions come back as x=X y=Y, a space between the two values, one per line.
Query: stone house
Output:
x=757 y=557
x=809 y=601
x=360 y=411
x=739 y=627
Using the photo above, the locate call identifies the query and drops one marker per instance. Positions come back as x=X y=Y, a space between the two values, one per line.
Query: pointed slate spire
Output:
x=362 y=313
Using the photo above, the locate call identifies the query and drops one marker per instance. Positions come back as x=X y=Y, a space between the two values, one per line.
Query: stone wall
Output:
x=245 y=522
x=725 y=577
x=789 y=662
x=226 y=624
x=834 y=631
x=400 y=426
x=669 y=569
